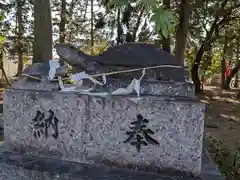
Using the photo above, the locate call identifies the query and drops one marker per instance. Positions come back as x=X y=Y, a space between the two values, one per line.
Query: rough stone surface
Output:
x=164 y=88
x=15 y=166
x=210 y=170
x=27 y=83
x=19 y=166
x=125 y=56
x=161 y=74
x=93 y=129
x=42 y=69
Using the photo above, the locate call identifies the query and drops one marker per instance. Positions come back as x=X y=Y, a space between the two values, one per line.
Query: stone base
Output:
x=152 y=87
x=210 y=170
x=15 y=166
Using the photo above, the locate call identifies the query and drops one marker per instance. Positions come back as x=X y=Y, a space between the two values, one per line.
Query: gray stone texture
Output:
x=93 y=129
x=153 y=87
x=150 y=87
x=19 y=166
x=27 y=83
x=210 y=170
x=42 y=69
x=15 y=166
x=125 y=56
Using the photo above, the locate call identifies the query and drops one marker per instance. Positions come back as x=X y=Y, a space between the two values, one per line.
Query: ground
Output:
x=222 y=129
x=223 y=116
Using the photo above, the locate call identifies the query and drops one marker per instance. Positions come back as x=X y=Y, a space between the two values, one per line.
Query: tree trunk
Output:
x=166 y=41
x=223 y=62
x=20 y=31
x=92 y=33
x=42 y=46
x=3 y=70
x=62 y=22
x=119 y=28
x=233 y=72
x=197 y=61
x=237 y=61
x=207 y=41
x=194 y=70
x=181 y=37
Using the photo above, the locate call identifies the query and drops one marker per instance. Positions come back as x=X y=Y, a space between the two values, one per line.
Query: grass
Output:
x=228 y=161
x=1 y=138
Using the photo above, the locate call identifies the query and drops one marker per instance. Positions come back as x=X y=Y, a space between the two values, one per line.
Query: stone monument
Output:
x=125 y=56
x=49 y=134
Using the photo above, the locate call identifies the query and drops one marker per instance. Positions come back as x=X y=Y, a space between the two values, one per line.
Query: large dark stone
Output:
x=137 y=55
x=126 y=56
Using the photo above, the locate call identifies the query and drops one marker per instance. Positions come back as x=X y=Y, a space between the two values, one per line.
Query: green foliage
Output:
x=190 y=55
x=229 y=162
x=210 y=65
x=2 y=37
x=97 y=48
x=26 y=60
x=164 y=19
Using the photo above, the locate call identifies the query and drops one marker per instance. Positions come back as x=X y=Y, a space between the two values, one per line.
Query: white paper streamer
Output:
x=134 y=85
x=53 y=65
x=82 y=75
x=78 y=78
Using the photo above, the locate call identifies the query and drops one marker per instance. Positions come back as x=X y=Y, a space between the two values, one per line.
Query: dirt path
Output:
x=223 y=116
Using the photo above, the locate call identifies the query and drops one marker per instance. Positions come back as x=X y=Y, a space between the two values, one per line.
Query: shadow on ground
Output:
x=222 y=116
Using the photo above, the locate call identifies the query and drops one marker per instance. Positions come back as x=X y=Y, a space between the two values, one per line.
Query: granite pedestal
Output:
x=62 y=135
x=106 y=130
x=17 y=166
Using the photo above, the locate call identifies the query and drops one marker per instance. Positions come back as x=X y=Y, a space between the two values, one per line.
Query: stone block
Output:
x=94 y=129
x=16 y=166
x=148 y=87
x=163 y=88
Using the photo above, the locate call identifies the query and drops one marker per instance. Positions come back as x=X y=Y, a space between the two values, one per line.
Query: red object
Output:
x=228 y=71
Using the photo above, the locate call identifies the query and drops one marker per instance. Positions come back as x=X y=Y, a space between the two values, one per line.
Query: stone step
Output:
x=15 y=166
x=20 y=166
